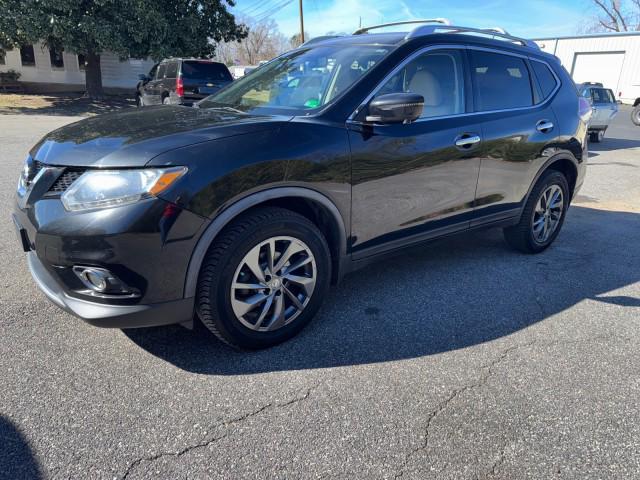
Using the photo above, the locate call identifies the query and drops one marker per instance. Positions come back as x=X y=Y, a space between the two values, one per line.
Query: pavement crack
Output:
x=488 y=371
x=211 y=440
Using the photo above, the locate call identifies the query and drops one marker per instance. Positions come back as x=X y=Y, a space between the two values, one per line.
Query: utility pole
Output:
x=301 y=24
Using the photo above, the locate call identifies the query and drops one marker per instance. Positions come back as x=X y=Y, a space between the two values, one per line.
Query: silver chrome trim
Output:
x=495 y=33
x=443 y=21
x=417 y=53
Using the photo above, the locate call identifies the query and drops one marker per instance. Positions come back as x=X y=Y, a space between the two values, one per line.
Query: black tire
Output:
x=596 y=137
x=139 y=102
x=635 y=115
x=213 y=302
x=521 y=236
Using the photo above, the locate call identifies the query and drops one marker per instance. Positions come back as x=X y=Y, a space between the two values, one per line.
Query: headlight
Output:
x=110 y=188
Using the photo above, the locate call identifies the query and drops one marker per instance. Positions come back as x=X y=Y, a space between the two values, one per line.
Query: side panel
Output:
x=298 y=154
x=409 y=180
x=512 y=154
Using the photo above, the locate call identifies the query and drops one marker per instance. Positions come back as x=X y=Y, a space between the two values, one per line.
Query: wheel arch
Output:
x=637 y=102
x=312 y=204
x=562 y=163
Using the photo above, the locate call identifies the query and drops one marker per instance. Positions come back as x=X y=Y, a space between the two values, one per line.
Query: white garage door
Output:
x=598 y=67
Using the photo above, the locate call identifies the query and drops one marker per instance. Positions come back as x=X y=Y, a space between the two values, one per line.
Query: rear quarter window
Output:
x=501 y=81
x=172 y=70
x=546 y=79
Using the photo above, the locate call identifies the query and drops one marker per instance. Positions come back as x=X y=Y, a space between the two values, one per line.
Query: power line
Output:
x=272 y=11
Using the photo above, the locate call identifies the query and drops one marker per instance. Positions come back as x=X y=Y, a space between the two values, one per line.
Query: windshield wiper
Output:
x=231 y=109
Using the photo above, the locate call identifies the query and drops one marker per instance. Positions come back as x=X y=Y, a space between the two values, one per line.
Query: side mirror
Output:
x=395 y=108
x=143 y=77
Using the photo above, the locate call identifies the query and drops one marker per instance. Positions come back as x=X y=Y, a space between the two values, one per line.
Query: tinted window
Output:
x=545 y=77
x=205 y=71
x=502 y=81
x=601 y=95
x=82 y=62
x=162 y=68
x=172 y=70
x=56 y=58
x=438 y=77
x=27 y=56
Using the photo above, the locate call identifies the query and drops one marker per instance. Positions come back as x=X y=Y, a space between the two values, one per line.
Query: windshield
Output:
x=299 y=82
x=205 y=71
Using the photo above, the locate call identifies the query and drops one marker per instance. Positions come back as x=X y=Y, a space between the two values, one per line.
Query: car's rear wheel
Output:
x=166 y=100
x=635 y=115
x=597 y=136
x=263 y=279
x=543 y=214
x=139 y=101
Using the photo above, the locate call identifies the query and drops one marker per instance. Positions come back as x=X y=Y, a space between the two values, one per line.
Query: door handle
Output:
x=467 y=141
x=544 y=126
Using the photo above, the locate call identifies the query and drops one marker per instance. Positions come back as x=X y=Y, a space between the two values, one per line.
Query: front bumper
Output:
x=105 y=315
x=146 y=245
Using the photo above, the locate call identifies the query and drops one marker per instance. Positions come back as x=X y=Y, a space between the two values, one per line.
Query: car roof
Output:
x=396 y=39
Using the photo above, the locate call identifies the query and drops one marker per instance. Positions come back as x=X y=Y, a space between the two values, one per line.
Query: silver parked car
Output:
x=604 y=106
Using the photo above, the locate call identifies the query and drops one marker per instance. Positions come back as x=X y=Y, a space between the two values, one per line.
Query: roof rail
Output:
x=495 y=32
x=442 y=21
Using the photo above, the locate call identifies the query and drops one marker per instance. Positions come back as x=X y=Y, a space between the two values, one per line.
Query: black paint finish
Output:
x=391 y=184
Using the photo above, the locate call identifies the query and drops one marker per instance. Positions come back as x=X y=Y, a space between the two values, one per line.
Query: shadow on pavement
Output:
x=455 y=293
x=609 y=144
x=16 y=458
x=66 y=104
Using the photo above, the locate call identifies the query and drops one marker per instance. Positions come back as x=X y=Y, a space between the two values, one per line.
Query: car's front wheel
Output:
x=264 y=278
x=543 y=214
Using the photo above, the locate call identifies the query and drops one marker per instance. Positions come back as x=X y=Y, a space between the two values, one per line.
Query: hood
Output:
x=133 y=137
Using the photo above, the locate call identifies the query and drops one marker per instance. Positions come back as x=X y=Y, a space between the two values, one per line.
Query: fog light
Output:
x=96 y=279
x=102 y=282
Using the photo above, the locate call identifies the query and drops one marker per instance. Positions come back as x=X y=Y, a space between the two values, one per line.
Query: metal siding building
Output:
x=613 y=59
x=43 y=76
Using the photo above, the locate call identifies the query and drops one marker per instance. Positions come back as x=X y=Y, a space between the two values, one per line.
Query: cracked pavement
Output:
x=456 y=360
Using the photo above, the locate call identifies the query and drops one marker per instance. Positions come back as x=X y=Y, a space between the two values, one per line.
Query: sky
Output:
x=531 y=19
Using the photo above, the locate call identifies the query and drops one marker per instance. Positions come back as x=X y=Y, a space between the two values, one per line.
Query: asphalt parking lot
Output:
x=457 y=360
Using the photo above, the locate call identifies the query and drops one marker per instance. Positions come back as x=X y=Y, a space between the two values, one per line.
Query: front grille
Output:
x=65 y=180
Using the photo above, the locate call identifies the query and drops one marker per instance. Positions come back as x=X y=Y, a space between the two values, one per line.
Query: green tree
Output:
x=129 y=28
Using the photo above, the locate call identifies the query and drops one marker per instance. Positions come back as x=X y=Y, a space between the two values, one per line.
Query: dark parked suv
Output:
x=242 y=212
x=178 y=81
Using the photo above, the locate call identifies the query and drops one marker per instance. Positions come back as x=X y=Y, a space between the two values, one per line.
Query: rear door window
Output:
x=501 y=81
x=162 y=69
x=206 y=71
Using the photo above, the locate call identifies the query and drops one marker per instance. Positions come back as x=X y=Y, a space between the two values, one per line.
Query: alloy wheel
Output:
x=273 y=283
x=548 y=213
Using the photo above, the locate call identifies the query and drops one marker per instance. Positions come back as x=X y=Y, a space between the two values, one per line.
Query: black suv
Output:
x=179 y=81
x=241 y=212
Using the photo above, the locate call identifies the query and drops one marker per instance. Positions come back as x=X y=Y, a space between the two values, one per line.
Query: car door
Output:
x=603 y=105
x=518 y=124
x=150 y=77
x=418 y=180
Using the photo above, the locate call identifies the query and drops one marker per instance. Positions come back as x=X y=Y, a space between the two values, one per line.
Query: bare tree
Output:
x=616 y=16
x=263 y=42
